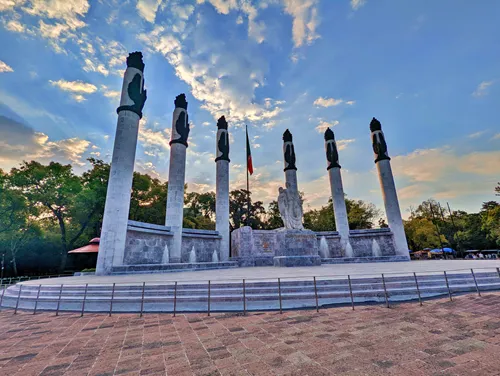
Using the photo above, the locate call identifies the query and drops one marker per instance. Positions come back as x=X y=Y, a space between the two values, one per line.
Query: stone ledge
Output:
x=174 y=267
x=295 y=261
x=348 y=260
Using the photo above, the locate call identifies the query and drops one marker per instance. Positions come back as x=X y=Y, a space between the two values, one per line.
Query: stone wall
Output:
x=258 y=247
x=146 y=243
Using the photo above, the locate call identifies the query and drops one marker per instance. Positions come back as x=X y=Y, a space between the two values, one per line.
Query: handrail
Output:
x=339 y=291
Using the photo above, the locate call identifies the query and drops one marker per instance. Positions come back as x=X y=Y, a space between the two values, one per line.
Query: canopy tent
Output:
x=92 y=247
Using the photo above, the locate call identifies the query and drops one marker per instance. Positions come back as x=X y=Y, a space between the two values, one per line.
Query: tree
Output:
x=361 y=216
x=273 y=217
x=497 y=189
x=238 y=211
x=12 y=204
x=148 y=199
x=421 y=233
x=58 y=193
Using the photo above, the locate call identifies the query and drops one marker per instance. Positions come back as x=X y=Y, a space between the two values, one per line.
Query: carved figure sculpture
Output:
x=332 y=155
x=289 y=151
x=290 y=207
x=222 y=151
x=378 y=141
x=180 y=131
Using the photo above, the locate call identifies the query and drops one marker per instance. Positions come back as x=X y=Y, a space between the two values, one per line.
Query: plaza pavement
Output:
x=330 y=271
x=440 y=338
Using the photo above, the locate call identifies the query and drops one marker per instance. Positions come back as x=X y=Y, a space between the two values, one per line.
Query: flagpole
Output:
x=248 y=184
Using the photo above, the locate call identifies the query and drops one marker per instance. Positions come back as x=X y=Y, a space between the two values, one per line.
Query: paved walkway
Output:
x=332 y=271
x=441 y=338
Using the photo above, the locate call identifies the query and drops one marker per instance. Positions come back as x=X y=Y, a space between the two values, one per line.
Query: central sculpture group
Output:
x=125 y=243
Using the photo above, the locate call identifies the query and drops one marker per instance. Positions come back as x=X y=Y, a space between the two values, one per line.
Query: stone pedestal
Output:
x=175 y=198
x=296 y=248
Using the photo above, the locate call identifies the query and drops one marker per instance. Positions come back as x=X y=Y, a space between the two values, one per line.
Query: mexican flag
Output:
x=249 y=155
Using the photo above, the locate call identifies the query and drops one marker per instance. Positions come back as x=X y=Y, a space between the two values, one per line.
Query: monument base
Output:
x=296 y=248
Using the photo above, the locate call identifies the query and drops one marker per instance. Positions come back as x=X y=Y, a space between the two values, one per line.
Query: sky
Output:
x=428 y=70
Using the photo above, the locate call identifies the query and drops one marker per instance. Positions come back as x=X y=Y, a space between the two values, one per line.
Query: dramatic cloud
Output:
x=482 y=89
x=331 y=102
x=76 y=88
x=19 y=142
x=5 y=68
x=224 y=78
x=323 y=125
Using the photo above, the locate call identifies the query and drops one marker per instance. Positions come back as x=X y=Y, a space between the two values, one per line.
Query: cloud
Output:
x=342 y=144
x=19 y=142
x=331 y=102
x=5 y=68
x=477 y=134
x=147 y=9
x=76 y=88
x=482 y=89
x=446 y=173
x=113 y=94
x=7 y=4
x=15 y=26
x=68 y=11
x=224 y=78
x=356 y=4
x=305 y=20
x=497 y=136
x=323 y=125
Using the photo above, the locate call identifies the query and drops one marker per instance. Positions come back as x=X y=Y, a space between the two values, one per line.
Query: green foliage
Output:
x=238 y=210
x=361 y=216
x=431 y=226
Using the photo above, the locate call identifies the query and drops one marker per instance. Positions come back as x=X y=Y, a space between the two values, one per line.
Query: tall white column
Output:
x=222 y=187
x=177 y=175
x=116 y=209
x=389 y=193
x=338 y=197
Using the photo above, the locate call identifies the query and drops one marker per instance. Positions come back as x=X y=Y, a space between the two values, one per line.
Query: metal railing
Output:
x=324 y=289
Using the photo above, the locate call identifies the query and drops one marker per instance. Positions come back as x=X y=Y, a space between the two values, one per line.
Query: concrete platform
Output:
x=271 y=273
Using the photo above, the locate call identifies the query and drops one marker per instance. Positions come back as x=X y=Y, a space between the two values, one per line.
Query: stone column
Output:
x=389 y=193
x=222 y=187
x=289 y=158
x=176 y=175
x=116 y=209
x=338 y=198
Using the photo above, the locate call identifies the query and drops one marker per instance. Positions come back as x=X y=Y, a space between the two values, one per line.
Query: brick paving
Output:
x=441 y=338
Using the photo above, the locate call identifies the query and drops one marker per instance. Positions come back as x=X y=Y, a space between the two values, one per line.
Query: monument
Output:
x=177 y=175
x=389 y=193
x=222 y=187
x=294 y=245
x=128 y=246
x=116 y=210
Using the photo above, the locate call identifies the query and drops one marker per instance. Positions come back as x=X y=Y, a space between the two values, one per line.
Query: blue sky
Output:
x=428 y=70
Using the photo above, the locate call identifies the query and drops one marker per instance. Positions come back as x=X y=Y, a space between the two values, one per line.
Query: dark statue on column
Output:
x=332 y=155
x=135 y=88
x=289 y=151
x=222 y=140
x=378 y=141
x=180 y=131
